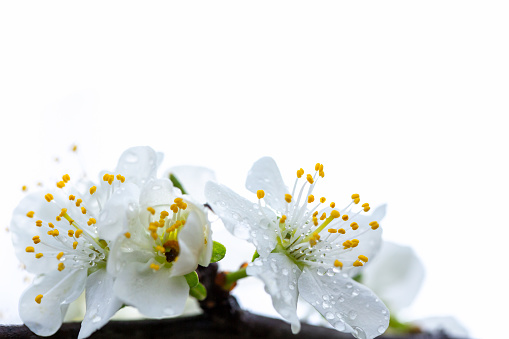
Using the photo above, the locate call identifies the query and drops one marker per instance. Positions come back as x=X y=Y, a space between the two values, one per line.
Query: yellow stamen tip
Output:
x=345 y=217
x=29 y=249
x=367 y=208
x=288 y=198
x=355 y=196
x=151 y=210
x=75 y=244
x=356 y=201
x=48 y=197
x=39 y=255
x=38 y=298
x=78 y=232
x=60 y=255
x=338 y=263
x=358 y=263
x=127 y=235
x=363 y=258
x=61 y=266
x=332 y=230
x=332 y=204
x=311 y=198
x=60 y=184
x=309 y=178
x=341 y=230
x=93 y=189
x=260 y=194
x=154 y=267
x=354 y=225
x=322 y=200
x=30 y=214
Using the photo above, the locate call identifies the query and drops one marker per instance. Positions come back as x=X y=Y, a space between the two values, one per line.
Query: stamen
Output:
x=358 y=263
x=154 y=267
x=30 y=214
x=354 y=226
x=48 y=197
x=374 y=225
x=345 y=217
x=78 y=202
x=38 y=298
x=363 y=258
x=72 y=197
x=127 y=235
x=300 y=173
x=93 y=189
x=66 y=178
x=283 y=219
x=338 y=263
x=29 y=249
x=39 y=255
x=61 y=266
x=260 y=194
x=60 y=184
x=79 y=231
x=151 y=210
x=38 y=223
x=322 y=200
x=311 y=198
x=310 y=178
x=60 y=255
x=83 y=210
x=288 y=198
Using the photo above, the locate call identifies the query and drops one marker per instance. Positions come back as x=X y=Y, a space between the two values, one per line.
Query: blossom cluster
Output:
x=136 y=239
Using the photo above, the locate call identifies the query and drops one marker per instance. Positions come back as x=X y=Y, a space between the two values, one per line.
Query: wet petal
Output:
x=243 y=218
x=58 y=290
x=346 y=304
x=193 y=179
x=138 y=164
x=265 y=175
x=101 y=303
x=280 y=276
x=153 y=293
x=191 y=243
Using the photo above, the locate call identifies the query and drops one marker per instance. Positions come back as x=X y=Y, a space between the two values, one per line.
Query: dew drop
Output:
x=320 y=271
x=291 y=286
x=355 y=292
x=329 y=315
x=352 y=315
x=339 y=325
x=349 y=285
x=284 y=271
x=359 y=333
x=381 y=329
x=96 y=319
x=326 y=305
x=325 y=297
x=235 y=216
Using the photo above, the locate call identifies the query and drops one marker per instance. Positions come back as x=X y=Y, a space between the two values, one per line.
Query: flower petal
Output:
x=346 y=304
x=193 y=179
x=101 y=303
x=395 y=275
x=191 y=243
x=154 y=293
x=265 y=175
x=280 y=276
x=58 y=290
x=138 y=164
x=242 y=218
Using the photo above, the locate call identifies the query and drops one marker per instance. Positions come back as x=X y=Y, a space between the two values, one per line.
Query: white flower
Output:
x=56 y=235
x=165 y=237
x=306 y=248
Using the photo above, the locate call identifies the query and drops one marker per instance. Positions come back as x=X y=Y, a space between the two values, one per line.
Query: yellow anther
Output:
x=30 y=214
x=91 y=221
x=164 y=214
x=29 y=249
x=58 y=218
x=127 y=235
x=335 y=214
x=36 y=239
x=178 y=200
x=66 y=178
x=356 y=200
x=315 y=213
x=354 y=226
x=154 y=235
x=315 y=221
x=338 y=263
x=60 y=255
x=63 y=211
x=61 y=266
x=160 y=249
x=363 y=258
x=48 y=197
x=367 y=208
x=323 y=216
x=120 y=178
x=53 y=232
x=72 y=197
x=51 y=225
x=38 y=298
x=151 y=210
x=374 y=225
x=322 y=200
x=74 y=245
x=283 y=219
x=93 y=189
x=70 y=233
x=311 y=198
x=341 y=230
x=154 y=267
x=347 y=244
x=345 y=217
x=183 y=205
x=78 y=202
x=288 y=198
x=312 y=242
x=358 y=263
x=74 y=148
x=300 y=173
x=174 y=208
x=153 y=227
x=355 y=196
x=310 y=179
x=332 y=230
x=321 y=173
x=317 y=167
x=332 y=204
x=38 y=255
x=355 y=242
x=83 y=210
x=365 y=204
x=260 y=194
x=105 y=177
x=38 y=223
x=24 y=188
x=60 y=184
x=78 y=232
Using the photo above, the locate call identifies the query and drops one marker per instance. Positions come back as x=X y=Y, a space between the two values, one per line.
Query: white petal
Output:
x=243 y=218
x=157 y=192
x=265 y=175
x=154 y=293
x=395 y=275
x=120 y=208
x=346 y=304
x=191 y=243
x=58 y=290
x=193 y=179
x=280 y=276
x=137 y=248
x=138 y=164
x=101 y=303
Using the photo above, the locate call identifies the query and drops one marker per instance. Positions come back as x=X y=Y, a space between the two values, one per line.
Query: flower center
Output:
x=172 y=250
x=317 y=234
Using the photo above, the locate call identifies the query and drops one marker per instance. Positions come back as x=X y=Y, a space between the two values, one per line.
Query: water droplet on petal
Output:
x=381 y=329
x=352 y=315
x=96 y=318
x=284 y=271
x=359 y=333
x=355 y=292
x=349 y=285
x=339 y=325
x=329 y=315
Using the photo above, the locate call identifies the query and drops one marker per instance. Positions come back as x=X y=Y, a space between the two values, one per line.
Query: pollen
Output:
x=127 y=235
x=66 y=178
x=334 y=214
x=30 y=214
x=309 y=178
x=363 y=258
x=154 y=267
x=83 y=210
x=345 y=217
x=48 y=197
x=151 y=210
x=341 y=230
x=374 y=225
x=38 y=223
x=355 y=196
x=60 y=255
x=338 y=263
x=164 y=214
x=72 y=197
x=78 y=232
x=300 y=173
x=58 y=218
x=60 y=184
x=63 y=211
x=78 y=202
x=24 y=188
x=93 y=189
x=311 y=198
x=355 y=242
x=260 y=194
x=74 y=245
x=120 y=178
x=36 y=239
x=91 y=221
x=51 y=225
x=61 y=266
x=160 y=249
x=367 y=208
x=288 y=198
x=29 y=249
x=283 y=219
x=322 y=199
x=315 y=221
x=332 y=204
x=358 y=263
x=323 y=216
x=38 y=298
x=70 y=233
x=332 y=230
x=38 y=255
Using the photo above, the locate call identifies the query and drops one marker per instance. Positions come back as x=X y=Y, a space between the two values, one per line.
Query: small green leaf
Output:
x=255 y=255
x=218 y=251
x=358 y=278
x=177 y=183
x=199 y=292
x=192 y=279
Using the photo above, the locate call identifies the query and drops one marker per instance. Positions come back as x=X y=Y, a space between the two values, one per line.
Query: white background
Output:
x=404 y=102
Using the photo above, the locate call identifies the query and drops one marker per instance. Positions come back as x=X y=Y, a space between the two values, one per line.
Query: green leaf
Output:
x=358 y=278
x=218 y=251
x=192 y=279
x=177 y=183
x=255 y=255
x=199 y=292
